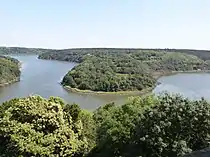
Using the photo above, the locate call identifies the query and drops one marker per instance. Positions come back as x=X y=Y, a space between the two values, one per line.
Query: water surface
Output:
x=42 y=77
x=191 y=85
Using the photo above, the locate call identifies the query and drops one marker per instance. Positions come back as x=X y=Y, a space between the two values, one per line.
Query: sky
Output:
x=63 y=24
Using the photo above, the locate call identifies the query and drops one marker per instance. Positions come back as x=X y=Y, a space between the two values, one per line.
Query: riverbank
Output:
x=10 y=82
x=14 y=80
x=157 y=75
x=129 y=93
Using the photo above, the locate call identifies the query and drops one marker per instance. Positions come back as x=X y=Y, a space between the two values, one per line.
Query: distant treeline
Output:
x=75 y=55
x=22 y=50
x=66 y=54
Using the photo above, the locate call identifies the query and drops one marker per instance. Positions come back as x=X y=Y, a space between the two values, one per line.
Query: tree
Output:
x=69 y=81
x=173 y=127
x=89 y=128
x=35 y=126
x=86 y=118
x=152 y=127
x=115 y=126
x=9 y=70
x=144 y=126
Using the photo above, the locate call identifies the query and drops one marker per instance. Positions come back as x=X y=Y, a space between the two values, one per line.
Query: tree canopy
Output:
x=75 y=55
x=22 y=50
x=129 y=71
x=9 y=70
x=150 y=126
x=167 y=126
x=35 y=126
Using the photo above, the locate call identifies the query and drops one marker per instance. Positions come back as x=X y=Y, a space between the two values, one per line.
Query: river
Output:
x=42 y=77
x=191 y=85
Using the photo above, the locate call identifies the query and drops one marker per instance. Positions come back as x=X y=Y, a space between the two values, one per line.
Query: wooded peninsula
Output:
x=123 y=70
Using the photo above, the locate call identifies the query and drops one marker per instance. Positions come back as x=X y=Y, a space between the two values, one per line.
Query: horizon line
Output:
x=104 y=48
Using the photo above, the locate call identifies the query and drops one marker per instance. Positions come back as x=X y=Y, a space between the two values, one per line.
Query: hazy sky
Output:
x=105 y=23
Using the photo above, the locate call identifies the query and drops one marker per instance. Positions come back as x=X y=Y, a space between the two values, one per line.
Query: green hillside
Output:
x=22 y=50
x=75 y=55
x=9 y=70
x=136 y=71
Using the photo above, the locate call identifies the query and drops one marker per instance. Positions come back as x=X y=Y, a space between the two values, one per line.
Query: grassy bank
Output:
x=10 y=82
x=142 y=92
x=157 y=75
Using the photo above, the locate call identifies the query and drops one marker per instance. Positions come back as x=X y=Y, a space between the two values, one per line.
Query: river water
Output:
x=42 y=77
x=191 y=85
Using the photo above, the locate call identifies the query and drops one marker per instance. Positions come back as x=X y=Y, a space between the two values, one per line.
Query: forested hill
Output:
x=136 y=71
x=76 y=55
x=9 y=70
x=113 y=69
x=22 y=50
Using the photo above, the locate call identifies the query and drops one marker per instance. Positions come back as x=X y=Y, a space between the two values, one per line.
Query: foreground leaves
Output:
x=35 y=126
x=167 y=126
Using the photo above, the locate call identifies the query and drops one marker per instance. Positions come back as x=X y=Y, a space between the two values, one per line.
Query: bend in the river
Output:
x=43 y=77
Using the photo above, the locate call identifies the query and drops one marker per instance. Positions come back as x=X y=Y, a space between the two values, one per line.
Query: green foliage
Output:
x=174 y=127
x=114 y=69
x=9 y=69
x=163 y=61
x=116 y=124
x=89 y=128
x=22 y=50
x=108 y=73
x=166 y=126
x=35 y=126
x=86 y=118
x=76 y=55
x=127 y=71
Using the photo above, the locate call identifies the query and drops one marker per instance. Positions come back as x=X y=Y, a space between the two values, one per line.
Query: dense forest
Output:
x=127 y=71
x=75 y=55
x=9 y=70
x=166 y=126
x=22 y=50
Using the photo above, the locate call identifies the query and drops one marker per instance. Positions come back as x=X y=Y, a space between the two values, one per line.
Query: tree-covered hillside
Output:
x=127 y=71
x=22 y=50
x=109 y=74
x=9 y=70
x=166 y=126
x=75 y=55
